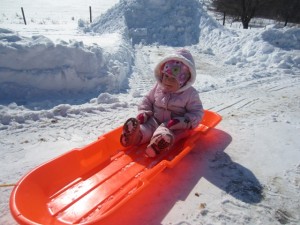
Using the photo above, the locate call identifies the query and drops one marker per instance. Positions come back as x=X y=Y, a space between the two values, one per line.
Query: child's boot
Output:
x=131 y=133
x=158 y=144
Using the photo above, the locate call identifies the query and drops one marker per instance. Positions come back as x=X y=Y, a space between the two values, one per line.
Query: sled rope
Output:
x=7 y=185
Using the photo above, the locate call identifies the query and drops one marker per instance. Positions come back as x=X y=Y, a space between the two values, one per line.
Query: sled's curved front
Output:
x=85 y=185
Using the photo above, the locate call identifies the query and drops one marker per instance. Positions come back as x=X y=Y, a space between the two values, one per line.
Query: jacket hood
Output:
x=183 y=56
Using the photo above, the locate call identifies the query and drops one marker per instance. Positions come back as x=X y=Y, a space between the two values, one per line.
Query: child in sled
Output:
x=169 y=110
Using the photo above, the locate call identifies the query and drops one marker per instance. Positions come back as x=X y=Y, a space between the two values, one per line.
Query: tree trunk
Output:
x=245 y=22
x=245 y=25
x=286 y=21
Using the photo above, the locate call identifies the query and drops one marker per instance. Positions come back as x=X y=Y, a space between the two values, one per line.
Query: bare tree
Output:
x=244 y=10
x=288 y=11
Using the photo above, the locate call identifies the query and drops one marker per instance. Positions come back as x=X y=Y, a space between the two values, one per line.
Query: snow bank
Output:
x=272 y=48
x=287 y=39
x=37 y=67
x=269 y=49
x=170 y=22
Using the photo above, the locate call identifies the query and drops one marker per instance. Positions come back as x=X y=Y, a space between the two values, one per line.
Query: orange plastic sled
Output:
x=85 y=185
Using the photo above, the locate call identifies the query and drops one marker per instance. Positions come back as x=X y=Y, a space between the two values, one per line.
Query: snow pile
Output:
x=287 y=38
x=37 y=67
x=253 y=51
x=170 y=22
x=272 y=48
x=268 y=49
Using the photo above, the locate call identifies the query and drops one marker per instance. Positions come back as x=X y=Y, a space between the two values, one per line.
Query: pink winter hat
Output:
x=179 y=64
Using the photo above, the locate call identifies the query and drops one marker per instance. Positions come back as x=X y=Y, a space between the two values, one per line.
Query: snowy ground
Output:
x=62 y=86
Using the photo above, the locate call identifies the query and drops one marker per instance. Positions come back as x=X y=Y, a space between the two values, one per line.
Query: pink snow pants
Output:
x=152 y=129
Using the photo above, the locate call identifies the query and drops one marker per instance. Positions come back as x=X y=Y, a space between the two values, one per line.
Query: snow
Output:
x=64 y=82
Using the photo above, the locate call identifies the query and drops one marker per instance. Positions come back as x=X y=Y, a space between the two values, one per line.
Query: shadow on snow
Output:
x=206 y=161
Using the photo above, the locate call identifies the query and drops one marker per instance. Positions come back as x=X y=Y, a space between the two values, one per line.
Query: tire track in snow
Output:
x=237 y=104
x=278 y=88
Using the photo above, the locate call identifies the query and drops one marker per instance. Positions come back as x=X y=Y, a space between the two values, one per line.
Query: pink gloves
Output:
x=179 y=123
x=142 y=117
x=176 y=123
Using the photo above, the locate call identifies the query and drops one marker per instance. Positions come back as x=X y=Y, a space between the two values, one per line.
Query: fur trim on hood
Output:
x=186 y=58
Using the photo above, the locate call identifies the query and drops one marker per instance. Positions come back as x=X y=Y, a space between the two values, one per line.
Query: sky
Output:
x=65 y=81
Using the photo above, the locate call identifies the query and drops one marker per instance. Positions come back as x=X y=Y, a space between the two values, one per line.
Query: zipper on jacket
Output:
x=168 y=96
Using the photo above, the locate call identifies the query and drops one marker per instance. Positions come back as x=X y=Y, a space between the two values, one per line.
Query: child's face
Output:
x=170 y=83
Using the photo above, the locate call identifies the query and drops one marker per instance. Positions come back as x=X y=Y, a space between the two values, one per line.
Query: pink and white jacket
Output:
x=185 y=102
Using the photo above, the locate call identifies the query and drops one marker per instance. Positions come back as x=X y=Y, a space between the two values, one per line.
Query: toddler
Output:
x=169 y=110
